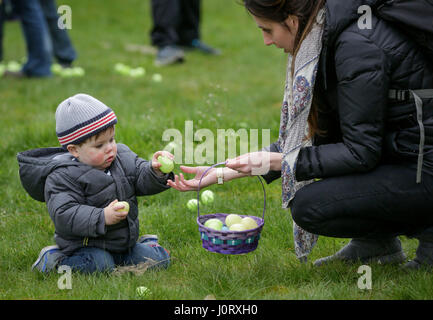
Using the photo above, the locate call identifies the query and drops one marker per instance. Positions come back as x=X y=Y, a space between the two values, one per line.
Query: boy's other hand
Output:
x=113 y=213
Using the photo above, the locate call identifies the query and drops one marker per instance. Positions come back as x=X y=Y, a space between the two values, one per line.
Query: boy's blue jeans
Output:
x=91 y=259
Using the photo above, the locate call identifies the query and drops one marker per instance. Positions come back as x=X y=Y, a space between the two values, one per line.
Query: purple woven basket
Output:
x=228 y=242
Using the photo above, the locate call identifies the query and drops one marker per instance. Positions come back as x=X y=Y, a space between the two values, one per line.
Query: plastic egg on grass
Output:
x=56 y=68
x=137 y=72
x=237 y=227
x=214 y=223
x=118 y=66
x=122 y=69
x=78 y=71
x=207 y=197
x=67 y=73
x=192 y=204
x=13 y=66
x=233 y=219
x=249 y=223
x=156 y=77
x=143 y=291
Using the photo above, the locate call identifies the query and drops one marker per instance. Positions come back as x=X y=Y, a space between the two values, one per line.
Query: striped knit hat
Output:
x=80 y=117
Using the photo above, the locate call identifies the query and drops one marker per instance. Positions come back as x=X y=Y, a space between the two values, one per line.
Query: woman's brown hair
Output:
x=306 y=12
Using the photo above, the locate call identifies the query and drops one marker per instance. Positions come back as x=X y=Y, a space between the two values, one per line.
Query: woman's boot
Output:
x=424 y=256
x=384 y=251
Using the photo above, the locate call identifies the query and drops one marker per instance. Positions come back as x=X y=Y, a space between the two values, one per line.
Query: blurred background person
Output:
x=176 y=25
x=62 y=48
x=44 y=39
x=6 y=13
x=1 y=29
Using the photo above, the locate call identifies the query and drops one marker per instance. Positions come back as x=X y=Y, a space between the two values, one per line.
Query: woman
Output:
x=362 y=145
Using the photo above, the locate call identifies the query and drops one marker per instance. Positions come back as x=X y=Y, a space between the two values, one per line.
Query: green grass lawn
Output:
x=244 y=84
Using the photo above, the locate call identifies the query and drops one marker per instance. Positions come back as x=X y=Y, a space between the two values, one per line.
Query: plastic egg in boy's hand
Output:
x=232 y=219
x=207 y=197
x=167 y=165
x=126 y=206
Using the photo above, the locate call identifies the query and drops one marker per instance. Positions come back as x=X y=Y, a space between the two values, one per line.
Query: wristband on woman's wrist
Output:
x=220 y=175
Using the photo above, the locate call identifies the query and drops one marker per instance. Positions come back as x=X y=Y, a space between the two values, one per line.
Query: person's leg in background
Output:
x=37 y=38
x=63 y=49
x=189 y=27
x=373 y=208
x=189 y=24
x=164 y=34
x=1 y=29
x=6 y=13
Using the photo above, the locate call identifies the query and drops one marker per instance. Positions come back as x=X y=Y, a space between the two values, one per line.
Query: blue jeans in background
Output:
x=62 y=47
x=91 y=259
x=43 y=36
x=1 y=29
x=37 y=38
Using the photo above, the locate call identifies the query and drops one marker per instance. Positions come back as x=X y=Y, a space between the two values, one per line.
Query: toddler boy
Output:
x=82 y=184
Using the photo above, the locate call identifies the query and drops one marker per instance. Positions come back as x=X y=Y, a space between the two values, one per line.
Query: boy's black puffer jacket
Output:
x=76 y=195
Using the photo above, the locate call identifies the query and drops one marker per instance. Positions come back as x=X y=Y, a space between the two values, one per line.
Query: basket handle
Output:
x=223 y=163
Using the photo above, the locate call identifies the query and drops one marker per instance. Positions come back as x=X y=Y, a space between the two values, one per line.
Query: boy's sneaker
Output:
x=48 y=259
x=169 y=55
x=148 y=238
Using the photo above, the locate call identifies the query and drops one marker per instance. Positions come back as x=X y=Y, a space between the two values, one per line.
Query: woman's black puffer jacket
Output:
x=363 y=126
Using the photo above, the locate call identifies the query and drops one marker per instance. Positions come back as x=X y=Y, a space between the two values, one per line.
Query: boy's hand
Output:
x=112 y=216
x=155 y=163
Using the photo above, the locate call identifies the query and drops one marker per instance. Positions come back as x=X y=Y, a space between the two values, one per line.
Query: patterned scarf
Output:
x=298 y=95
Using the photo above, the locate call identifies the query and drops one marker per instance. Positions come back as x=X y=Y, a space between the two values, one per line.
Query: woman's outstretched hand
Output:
x=183 y=185
x=253 y=163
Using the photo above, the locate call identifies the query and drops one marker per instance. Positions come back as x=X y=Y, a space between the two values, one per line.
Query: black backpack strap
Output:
x=403 y=95
x=417 y=95
x=418 y=104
